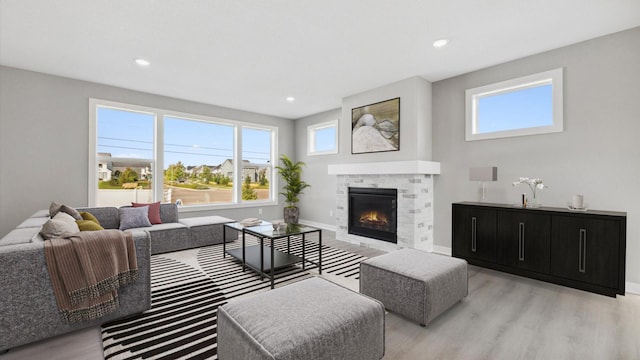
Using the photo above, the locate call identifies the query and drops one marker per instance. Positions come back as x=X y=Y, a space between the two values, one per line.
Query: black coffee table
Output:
x=261 y=258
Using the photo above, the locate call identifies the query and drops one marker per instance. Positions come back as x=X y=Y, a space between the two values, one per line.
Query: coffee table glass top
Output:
x=266 y=229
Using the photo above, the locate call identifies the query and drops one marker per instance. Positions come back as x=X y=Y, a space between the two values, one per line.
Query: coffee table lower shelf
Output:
x=252 y=258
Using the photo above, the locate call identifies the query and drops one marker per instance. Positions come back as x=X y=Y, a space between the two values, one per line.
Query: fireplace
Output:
x=373 y=213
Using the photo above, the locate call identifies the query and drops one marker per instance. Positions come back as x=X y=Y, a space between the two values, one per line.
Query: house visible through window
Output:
x=525 y=106
x=145 y=155
x=322 y=138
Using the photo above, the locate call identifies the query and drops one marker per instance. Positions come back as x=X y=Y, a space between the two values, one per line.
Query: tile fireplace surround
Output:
x=414 y=182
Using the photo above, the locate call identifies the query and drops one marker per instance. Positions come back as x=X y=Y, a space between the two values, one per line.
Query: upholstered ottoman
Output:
x=416 y=284
x=309 y=319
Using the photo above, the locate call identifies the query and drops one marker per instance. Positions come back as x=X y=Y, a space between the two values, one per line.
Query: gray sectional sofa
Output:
x=28 y=309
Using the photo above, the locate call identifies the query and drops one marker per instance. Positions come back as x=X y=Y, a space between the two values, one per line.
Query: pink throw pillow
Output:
x=154 y=211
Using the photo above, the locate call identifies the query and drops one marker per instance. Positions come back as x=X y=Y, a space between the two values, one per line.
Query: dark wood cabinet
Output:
x=476 y=233
x=584 y=250
x=524 y=240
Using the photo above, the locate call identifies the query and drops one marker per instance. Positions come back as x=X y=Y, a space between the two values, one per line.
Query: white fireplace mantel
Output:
x=386 y=167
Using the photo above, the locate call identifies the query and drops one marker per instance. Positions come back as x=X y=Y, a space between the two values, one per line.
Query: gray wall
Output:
x=597 y=155
x=44 y=127
x=415 y=142
x=415 y=121
x=318 y=203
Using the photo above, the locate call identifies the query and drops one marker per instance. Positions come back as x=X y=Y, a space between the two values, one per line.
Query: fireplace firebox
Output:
x=373 y=213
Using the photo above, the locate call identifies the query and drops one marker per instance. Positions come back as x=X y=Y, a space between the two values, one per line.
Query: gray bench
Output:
x=309 y=319
x=416 y=284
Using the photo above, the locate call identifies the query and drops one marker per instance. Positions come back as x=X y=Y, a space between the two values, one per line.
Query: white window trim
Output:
x=311 y=138
x=553 y=77
x=158 y=181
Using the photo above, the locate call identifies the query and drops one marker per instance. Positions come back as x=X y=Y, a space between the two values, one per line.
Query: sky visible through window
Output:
x=129 y=134
x=325 y=139
x=125 y=134
x=527 y=108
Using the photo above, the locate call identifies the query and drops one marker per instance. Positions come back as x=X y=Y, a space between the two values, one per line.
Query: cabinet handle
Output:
x=521 y=242
x=582 y=255
x=474 y=225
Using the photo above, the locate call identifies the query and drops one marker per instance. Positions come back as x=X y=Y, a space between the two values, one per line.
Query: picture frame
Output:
x=376 y=127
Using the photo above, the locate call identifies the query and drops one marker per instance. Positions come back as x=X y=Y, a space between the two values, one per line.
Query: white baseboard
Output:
x=318 y=225
x=632 y=288
x=442 y=250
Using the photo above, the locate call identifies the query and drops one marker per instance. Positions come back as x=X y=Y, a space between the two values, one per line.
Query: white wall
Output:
x=44 y=127
x=597 y=155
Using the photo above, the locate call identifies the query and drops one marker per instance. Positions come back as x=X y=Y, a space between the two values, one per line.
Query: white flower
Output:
x=533 y=184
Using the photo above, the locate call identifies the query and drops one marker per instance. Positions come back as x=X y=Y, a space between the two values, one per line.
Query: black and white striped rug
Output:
x=188 y=286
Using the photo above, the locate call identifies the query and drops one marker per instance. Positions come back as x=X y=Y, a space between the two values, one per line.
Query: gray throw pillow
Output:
x=131 y=217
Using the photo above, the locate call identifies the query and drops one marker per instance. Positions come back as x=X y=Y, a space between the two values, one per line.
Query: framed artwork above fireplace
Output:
x=376 y=127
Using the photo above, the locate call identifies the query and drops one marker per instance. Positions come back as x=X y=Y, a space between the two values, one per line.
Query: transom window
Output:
x=141 y=154
x=322 y=138
x=524 y=106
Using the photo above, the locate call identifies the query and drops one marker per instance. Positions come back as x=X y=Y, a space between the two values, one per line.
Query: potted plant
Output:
x=291 y=172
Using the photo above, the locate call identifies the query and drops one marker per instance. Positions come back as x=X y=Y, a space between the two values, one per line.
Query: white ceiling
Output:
x=251 y=54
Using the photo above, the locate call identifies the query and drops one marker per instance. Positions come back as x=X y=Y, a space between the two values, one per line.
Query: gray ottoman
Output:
x=309 y=319
x=416 y=284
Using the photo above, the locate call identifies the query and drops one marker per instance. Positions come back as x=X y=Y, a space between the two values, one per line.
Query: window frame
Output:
x=472 y=96
x=311 y=129
x=158 y=151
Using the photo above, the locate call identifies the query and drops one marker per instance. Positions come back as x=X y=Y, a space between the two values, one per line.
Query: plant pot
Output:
x=291 y=215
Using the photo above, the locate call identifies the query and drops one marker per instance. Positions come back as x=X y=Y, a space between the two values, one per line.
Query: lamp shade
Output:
x=484 y=173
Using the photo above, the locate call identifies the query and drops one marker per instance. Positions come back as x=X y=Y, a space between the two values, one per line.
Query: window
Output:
x=201 y=162
x=524 y=106
x=124 y=156
x=322 y=138
x=256 y=164
x=195 y=157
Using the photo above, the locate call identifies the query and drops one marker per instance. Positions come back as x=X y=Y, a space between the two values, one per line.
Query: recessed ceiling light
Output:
x=291 y=99
x=142 y=62
x=440 y=43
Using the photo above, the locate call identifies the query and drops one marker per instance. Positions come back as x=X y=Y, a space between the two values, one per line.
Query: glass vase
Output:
x=533 y=202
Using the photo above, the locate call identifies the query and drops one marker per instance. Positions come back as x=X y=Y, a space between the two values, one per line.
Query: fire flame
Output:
x=373 y=218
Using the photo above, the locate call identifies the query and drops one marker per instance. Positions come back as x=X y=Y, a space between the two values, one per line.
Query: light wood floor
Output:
x=504 y=317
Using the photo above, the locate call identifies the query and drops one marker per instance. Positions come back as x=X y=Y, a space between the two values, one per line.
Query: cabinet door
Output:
x=474 y=233
x=586 y=249
x=523 y=240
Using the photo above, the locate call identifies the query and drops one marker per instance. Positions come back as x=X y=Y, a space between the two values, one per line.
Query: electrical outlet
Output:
x=259 y=211
x=330 y=212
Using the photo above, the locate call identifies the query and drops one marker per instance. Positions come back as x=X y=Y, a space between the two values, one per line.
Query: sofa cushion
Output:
x=205 y=220
x=154 y=211
x=168 y=237
x=131 y=217
x=62 y=224
x=40 y=213
x=20 y=236
x=169 y=213
x=33 y=222
x=108 y=216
